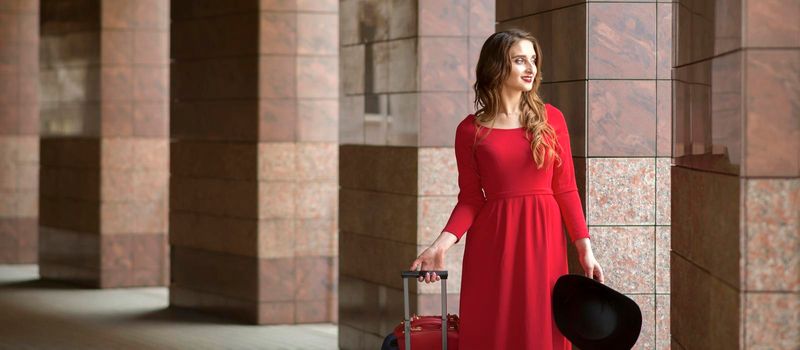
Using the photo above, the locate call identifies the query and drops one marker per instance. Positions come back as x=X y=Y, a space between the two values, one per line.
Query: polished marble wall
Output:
x=607 y=66
x=254 y=116
x=406 y=69
x=736 y=182
x=103 y=179
x=19 y=129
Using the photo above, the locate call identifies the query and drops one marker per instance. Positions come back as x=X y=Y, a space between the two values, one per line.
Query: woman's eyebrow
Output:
x=534 y=55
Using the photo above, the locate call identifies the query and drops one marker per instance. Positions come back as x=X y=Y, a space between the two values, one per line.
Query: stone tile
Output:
x=373 y=20
x=220 y=160
x=313 y=278
x=277 y=119
x=620 y=191
x=278 y=33
x=371 y=264
x=349 y=25
x=481 y=18
x=134 y=154
x=117 y=119
x=222 y=120
x=316 y=237
x=773 y=82
x=117 y=82
x=225 y=275
x=233 y=198
x=663 y=202
x=352 y=69
x=276 y=199
x=276 y=238
x=316 y=200
x=706 y=217
x=151 y=119
x=317 y=120
x=622 y=41
x=440 y=114
x=316 y=5
x=151 y=14
x=443 y=18
x=394 y=216
x=664 y=44
x=313 y=311
x=150 y=83
x=403 y=22
x=314 y=36
x=622 y=118
x=772 y=242
x=397 y=168
x=277 y=161
x=276 y=279
x=234 y=236
x=151 y=47
x=117 y=14
x=647 y=336
x=627 y=255
x=403 y=68
x=663 y=242
x=695 y=297
x=278 y=77
x=133 y=217
x=662 y=322
x=317 y=77
x=443 y=64
x=432 y=215
x=769 y=23
x=770 y=320
x=403 y=120
x=664 y=118
x=201 y=37
x=564 y=43
x=130 y=186
x=437 y=172
x=317 y=161
x=116 y=46
x=570 y=98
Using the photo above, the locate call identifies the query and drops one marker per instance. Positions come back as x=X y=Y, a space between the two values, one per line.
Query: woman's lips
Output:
x=527 y=79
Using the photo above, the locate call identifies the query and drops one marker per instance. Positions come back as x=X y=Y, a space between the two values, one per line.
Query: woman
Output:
x=516 y=149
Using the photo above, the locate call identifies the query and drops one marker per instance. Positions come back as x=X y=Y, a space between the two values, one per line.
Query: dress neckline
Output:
x=490 y=128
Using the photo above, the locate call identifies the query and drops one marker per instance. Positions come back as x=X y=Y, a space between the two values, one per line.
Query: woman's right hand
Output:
x=430 y=259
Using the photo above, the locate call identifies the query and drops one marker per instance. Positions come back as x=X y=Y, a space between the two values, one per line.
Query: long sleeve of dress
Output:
x=470 y=195
x=564 y=186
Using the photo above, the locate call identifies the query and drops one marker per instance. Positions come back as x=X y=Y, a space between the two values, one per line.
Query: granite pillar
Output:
x=607 y=66
x=253 y=202
x=19 y=131
x=103 y=182
x=736 y=183
x=406 y=72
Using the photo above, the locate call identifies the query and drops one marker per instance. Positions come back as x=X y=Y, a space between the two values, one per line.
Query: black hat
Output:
x=594 y=316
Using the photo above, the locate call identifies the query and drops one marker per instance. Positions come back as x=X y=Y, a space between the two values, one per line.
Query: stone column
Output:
x=103 y=198
x=607 y=66
x=19 y=131
x=736 y=183
x=406 y=73
x=254 y=159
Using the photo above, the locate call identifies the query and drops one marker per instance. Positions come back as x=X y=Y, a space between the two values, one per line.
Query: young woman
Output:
x=516 y=150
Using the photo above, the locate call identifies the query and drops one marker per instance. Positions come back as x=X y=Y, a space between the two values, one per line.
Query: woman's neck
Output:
x=510 y=103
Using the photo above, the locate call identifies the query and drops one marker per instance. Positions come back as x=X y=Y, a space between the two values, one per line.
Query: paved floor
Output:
x=38 y=314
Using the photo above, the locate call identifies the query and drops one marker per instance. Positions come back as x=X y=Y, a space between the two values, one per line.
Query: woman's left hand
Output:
x=590 y=266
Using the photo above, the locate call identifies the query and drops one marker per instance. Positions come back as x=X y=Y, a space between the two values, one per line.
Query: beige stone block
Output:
x=316 y=200
x=276 y=199
x=771 y=320
x=438 y=174
x=276 y=238
x=277 y=161
x=620 y=191
x=432 y=215
x=133 y=217
x=315 y=237
x=317 y=161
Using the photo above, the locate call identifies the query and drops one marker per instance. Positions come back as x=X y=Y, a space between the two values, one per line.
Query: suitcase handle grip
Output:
x=421 y=273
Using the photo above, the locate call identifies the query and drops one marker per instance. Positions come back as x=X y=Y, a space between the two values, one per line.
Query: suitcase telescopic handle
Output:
x=414 y=274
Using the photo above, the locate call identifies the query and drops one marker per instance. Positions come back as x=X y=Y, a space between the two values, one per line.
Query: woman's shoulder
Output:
x=554 y=115
x=466 y=124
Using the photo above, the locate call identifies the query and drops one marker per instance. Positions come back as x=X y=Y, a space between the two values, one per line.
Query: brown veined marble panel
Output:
x=443 y=18
x=773 y=125
x=622 y=118
x=664 y=40
x=443 y=64
x=772 y=23
x=440 y=114
x=622 y=41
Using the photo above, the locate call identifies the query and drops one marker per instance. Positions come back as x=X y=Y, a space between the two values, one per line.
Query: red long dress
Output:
x=516 y=248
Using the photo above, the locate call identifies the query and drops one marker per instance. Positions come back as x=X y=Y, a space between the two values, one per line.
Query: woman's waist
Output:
x=494 y=195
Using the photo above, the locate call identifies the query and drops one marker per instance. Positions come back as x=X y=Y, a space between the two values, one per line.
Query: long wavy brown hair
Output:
x=492 y=70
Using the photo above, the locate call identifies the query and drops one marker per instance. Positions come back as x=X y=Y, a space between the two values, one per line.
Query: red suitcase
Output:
x=426 y=332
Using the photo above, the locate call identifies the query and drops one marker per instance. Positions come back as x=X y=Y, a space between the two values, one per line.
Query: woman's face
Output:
x=523 y=67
